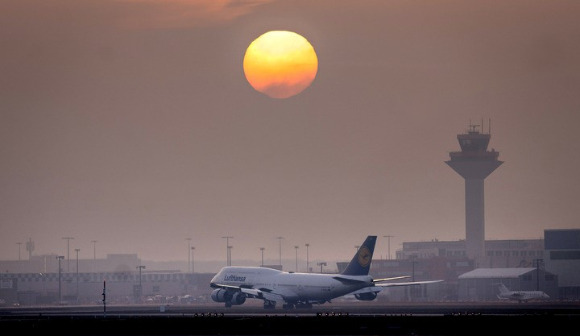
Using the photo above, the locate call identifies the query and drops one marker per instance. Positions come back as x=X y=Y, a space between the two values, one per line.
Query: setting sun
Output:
x=280 y=64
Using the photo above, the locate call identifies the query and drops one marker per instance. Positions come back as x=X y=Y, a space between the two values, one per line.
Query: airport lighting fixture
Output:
x=77 y=251
x=307 y=261
x=388 y=246
x=94 y=249
x=140 y=267
x=29 y=247
x=192 y=259
x=59 y=279
x=188 y=254
x=262 y=250
x=67 y=252
x=280 y=249
x=227 y=238
x=296 y=248
x=19 y=245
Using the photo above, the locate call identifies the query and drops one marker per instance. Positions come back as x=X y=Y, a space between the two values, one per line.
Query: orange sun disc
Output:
x=280 y=64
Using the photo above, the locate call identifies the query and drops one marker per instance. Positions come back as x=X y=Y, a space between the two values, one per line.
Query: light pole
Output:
x=188 y=254
x=19 y=245
x=59 y=279
x=262 y=249
x=94 y=249
x=29 y=247
x=140 y=267
x=538 y=261
x=43 y=276
x=321 y=264
x=227 y=238
x=307 y=261
x=413 y=258
x=280 y=249
x=67 y=253
x=192 y=259
x=77 y=251
x=389 y=246
x=296 y=248
x=413 y=290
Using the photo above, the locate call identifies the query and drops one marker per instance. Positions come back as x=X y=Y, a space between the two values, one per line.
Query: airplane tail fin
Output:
x=502 y=288
x=361 y=262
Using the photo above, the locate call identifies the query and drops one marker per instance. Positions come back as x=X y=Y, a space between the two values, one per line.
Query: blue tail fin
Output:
x=361 y=262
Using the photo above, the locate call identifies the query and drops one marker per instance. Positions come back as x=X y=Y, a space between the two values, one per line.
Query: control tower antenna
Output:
x=474 y=163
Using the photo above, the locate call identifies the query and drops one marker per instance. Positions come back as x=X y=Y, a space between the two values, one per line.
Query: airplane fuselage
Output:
x=293 y=287
x=234 y=284
x=523 y=295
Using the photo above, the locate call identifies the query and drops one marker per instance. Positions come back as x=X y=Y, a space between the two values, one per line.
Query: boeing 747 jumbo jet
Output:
x=233 y=284
x=520 y=296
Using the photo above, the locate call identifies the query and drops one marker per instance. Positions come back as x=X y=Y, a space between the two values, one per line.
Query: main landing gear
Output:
x=297 y=305
x=272 y=305
x=269 y=304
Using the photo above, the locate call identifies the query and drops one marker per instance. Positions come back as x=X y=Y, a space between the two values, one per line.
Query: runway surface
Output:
x=331 y=319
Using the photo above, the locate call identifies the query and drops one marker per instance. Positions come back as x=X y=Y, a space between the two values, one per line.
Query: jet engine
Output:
x=238 y=298
x=366 y=296
x=234 y=297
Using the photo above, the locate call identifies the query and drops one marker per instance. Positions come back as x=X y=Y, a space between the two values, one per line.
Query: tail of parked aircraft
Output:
x=361 y=262
x=502 y=288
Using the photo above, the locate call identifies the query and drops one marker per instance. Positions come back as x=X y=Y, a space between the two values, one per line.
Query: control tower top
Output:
x=474 y=146
x=473 y=141
x=474 y=160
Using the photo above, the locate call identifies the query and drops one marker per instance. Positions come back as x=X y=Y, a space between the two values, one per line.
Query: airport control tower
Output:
x=474 y=163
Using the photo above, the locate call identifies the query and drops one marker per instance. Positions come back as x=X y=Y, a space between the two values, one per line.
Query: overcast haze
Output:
x=130 y=122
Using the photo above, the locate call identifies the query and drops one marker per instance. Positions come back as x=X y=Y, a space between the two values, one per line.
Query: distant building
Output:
x=48 y=263
x=498 y=253
x=482 y=284
x=562 y=257
x=121 y=287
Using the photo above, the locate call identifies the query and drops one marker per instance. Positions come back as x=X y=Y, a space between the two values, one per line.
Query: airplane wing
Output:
x=350 y=281
x=410 y=283
x=270 y=296
x=383 y=282
x=379 y=286
x=391 y=279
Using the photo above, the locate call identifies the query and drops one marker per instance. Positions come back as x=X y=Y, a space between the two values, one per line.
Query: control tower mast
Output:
x=474 y=163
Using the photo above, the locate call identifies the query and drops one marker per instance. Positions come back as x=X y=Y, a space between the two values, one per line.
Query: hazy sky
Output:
x=130 y=122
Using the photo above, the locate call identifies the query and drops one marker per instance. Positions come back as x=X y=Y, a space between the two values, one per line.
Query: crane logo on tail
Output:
x=364 y=256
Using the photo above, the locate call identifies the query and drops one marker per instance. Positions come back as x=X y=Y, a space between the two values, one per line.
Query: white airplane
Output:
x=233 y=284
x=520 y=296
